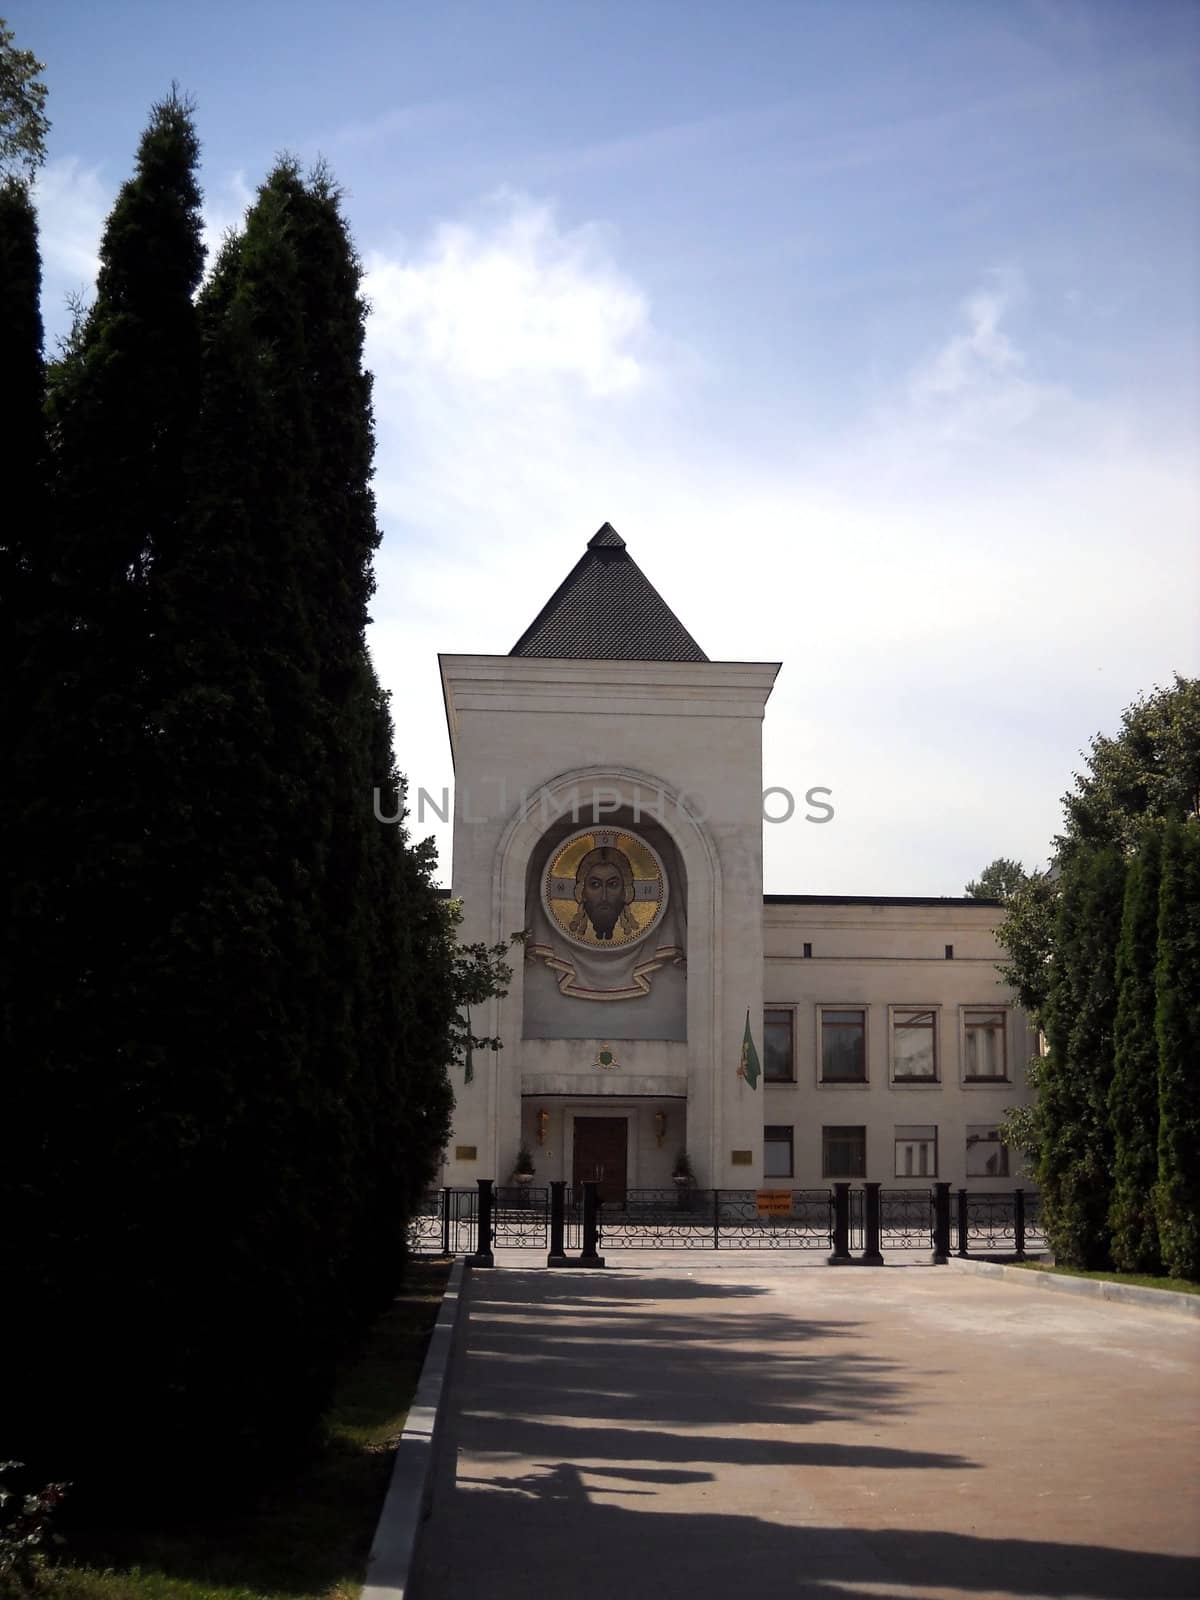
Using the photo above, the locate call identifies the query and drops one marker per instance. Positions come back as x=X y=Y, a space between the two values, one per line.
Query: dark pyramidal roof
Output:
x=606 y=609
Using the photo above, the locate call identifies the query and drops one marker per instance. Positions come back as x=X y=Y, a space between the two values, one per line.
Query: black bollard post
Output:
x=589 y=1256
x=841 y=1256
x=558 y=1219
x=872 y=1256
x=447 y=1195
x=941 y=1224
x=964 y=1222
x=483 y=1256
x=1019 y=1223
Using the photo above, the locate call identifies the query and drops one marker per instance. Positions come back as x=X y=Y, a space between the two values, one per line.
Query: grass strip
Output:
x=307 y=1539
x=1137 y=1279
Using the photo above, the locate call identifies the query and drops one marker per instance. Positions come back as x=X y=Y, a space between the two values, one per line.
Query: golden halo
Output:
x=644 y=881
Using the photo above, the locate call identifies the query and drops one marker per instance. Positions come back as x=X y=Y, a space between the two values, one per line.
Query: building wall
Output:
x=683 y=737
x=878 y=957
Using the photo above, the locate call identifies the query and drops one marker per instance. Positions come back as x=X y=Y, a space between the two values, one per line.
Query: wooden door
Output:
x=601 y=1154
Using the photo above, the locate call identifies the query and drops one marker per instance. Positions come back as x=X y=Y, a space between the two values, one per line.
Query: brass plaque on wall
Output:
x=742 y=1158
x=464 y=1152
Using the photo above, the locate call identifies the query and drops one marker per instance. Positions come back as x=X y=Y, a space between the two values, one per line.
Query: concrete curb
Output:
x=1129 y=1294
x=406 y=1504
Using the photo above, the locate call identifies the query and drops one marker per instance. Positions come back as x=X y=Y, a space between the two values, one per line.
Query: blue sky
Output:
x=872 y=327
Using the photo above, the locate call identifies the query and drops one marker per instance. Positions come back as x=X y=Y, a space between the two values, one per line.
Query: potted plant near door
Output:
x=523 y=1171
x=682 y=1176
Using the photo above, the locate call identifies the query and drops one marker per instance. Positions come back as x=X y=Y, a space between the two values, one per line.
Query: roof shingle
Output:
x=606 y=609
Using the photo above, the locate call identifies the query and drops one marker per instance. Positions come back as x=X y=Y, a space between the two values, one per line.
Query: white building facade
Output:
x=608 y=805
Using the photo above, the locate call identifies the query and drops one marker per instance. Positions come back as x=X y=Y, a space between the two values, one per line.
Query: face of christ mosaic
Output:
x=605 y=889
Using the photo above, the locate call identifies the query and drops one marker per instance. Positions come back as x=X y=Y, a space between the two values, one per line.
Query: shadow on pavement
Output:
x=591 y=1433
x=710 y=1556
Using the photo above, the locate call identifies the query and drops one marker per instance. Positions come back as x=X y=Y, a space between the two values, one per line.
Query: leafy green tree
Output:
x=1074 y=1143
x=1177 y=1025
x=1149 y=770
x=1133 y=1095
x=24 y=125
x=999 y=880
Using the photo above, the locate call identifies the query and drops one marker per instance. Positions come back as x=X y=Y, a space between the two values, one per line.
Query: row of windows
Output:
x=844 y=1152
x=914 y=1052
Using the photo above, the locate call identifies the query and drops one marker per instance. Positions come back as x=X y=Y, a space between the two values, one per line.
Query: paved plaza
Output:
x=696 y=1427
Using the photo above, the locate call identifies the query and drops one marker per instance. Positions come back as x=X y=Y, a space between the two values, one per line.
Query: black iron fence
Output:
x=847 y=1223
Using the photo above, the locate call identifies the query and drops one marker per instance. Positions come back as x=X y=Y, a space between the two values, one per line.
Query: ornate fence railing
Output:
x=716 y=1219
x=1006 y=1223
x=877 y=1220
x=906 y=1219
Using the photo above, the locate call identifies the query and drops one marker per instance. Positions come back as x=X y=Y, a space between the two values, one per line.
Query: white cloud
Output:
x=979 y=381
x=520 y=299
x=224 y=209
x=72 y=203
x=949 y=582
x=940 y=581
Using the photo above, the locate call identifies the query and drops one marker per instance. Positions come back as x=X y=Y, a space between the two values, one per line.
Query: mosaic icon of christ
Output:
x=603 y=892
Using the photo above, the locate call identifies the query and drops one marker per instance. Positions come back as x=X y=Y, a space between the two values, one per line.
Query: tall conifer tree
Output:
x=86 y=1024
x=1075 y=1154
x=22 y=432
x=1177 y=1024
x=1133 y=1096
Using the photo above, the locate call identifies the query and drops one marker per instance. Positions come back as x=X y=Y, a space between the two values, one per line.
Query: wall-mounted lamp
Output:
x=543 y=1121
x=660 y=1127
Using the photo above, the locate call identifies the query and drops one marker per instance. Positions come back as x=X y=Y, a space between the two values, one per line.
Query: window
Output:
x=843 y=1152
x=914 y=1047
x=778 y=1047
x=777 y=1152
x=843 y=1046
x=986 y=1156
x=983 y=1047
x=916 y=1152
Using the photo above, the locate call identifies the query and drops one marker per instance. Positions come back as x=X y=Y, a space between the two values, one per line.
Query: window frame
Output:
x=842 y=1177
x=1002 y=1080
x=908 y=1081
x=843 y=1083
x=995 y=1129
x=789 y=1143
x=915 y=1137
x=790 y=1012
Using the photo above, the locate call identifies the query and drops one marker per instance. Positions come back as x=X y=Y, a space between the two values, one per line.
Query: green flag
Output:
x=748 y=1065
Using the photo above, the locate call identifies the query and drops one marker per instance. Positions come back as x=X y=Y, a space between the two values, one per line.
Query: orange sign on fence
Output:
x=774 y=1202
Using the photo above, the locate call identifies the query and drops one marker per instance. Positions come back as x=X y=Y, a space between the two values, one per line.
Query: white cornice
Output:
x=497 y=684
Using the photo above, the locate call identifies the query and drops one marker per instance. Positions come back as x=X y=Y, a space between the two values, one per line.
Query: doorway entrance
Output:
x=601 y=1153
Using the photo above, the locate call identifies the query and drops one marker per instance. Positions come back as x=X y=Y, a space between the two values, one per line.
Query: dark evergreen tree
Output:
x=1133 y=1096
x=1177 y=1024
x=299 y=924
x=22 y=529
x=85 y=1027
x=246 y=817
x=1073 y=1135
x=22 y=439
x=238 y=985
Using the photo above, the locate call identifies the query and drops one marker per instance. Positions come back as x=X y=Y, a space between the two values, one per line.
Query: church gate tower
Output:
x=608 y=802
